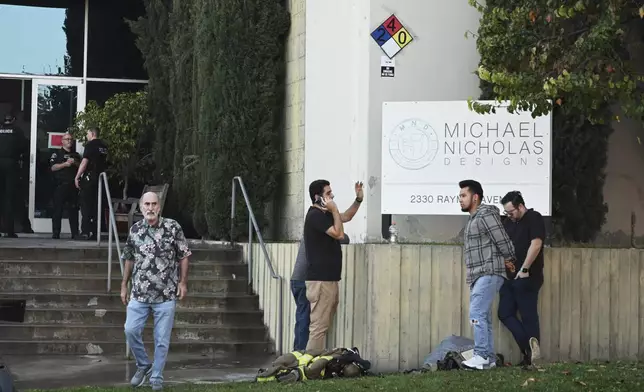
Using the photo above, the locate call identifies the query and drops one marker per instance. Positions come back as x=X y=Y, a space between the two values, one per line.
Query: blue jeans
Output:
x=137 y=315
x=482 y=294
x=302 y=315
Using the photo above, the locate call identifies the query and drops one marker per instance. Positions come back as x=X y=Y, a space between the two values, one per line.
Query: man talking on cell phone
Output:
x=323 y=231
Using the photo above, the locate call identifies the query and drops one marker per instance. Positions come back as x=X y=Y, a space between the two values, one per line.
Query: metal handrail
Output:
x=113 y=233
x=252 y=223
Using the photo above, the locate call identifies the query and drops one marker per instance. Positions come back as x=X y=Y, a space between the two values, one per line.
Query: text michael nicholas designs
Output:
x=493 y=143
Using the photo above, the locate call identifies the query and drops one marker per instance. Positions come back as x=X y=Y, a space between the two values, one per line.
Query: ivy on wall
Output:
x=216 y=72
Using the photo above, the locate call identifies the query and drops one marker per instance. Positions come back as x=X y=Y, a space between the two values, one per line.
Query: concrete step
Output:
x=74 y=332
x=89 y=251
x=84 y=347
x=93 y=300
x=116 y=316
x=96 y=267
x=62 y=284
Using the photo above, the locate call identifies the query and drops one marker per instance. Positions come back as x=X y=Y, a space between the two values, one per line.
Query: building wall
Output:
x=437 y=65
x=291 y=217
x=397 y=303
x=344 y=96
x=624 y=187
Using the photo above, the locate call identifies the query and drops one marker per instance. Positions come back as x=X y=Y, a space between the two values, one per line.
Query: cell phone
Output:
x=320 y=201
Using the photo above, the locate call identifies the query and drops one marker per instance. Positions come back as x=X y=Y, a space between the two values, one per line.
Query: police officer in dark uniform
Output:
x=13 y=144
x=64 y=164
x=93 y=164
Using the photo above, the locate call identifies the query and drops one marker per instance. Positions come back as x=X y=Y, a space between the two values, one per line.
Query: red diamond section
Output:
x=392 y=25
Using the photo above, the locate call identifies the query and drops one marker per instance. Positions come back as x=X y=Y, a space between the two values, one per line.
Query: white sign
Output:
x=387 y=67
x=428 y=147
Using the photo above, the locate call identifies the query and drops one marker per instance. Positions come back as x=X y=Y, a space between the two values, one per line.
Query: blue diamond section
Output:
x=381 y=35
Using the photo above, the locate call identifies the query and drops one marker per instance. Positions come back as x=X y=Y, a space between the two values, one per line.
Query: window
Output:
x=112 y=51
x=102 y=91
x=42 y=37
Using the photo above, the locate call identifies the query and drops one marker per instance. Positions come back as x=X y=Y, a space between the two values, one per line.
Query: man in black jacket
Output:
x=13 y=144
x=93 y=164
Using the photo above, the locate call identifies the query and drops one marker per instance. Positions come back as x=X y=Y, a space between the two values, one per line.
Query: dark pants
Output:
x=522 y=296
x=65 y=195
x=89 y=204
x=8 y=174
x=302 y=315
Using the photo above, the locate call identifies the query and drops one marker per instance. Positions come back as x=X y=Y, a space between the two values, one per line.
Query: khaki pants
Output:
x=324 y=298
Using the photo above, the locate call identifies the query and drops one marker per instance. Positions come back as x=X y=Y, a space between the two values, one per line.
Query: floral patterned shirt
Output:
x=156 y=252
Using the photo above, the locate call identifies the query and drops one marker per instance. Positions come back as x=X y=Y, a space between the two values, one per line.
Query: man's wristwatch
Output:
x=358 y=200
x=524 y=270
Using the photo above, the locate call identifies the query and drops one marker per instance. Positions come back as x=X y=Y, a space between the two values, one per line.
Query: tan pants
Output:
x=324 y=298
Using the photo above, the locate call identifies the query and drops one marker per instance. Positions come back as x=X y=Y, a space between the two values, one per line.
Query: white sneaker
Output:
x=477 y=362
x=536 y=351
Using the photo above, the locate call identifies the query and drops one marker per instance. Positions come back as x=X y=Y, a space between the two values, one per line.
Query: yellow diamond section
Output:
x=402 y=37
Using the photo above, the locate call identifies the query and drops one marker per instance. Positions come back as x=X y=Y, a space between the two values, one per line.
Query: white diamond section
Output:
x=391 y=48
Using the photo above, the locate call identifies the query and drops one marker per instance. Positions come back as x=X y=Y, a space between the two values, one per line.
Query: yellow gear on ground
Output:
x=301 y=366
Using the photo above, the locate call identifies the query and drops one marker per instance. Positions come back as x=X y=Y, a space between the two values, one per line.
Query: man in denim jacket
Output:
x=486 y=249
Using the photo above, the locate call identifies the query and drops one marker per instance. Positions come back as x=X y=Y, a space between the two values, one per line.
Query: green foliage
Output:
x=123 y=122
x=544 y=53
x=570 y=58
x=216 y=78
x=580 y=155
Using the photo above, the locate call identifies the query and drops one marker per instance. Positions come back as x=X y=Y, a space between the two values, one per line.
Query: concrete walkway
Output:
x=47 y=372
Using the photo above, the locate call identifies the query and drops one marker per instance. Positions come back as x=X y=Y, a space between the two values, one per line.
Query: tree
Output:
x=216 y=93
x=124 y=123
x=571 y=58
x=543 y=53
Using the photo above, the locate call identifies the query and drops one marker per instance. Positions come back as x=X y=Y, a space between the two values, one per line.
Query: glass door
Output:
x=54 y=104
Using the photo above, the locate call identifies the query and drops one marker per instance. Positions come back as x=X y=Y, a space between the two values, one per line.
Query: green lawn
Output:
x=618 y=376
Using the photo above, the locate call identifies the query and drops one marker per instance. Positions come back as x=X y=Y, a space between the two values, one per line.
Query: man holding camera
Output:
x=323 y=231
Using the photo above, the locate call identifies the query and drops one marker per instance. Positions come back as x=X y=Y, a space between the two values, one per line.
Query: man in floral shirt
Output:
x=155 y=252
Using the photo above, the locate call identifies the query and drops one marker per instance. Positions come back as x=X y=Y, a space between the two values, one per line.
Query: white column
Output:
x=337 y=87
x=345 y=92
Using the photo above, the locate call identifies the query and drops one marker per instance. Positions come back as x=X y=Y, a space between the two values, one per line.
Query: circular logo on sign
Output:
x=413 y=144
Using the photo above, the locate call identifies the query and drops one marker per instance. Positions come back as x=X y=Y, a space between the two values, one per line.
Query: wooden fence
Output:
x=397 y=302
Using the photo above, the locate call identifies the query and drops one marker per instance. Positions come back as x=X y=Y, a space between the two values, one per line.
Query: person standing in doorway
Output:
x=64 y=164
x=298 y=289
x=323 y=231
x=486 y=250
x=93 y=164
x=13 y=145
x=520 y=293
x=156 y=256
